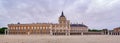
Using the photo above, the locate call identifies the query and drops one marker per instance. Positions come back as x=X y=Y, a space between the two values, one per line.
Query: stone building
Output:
x=116 y=29
x=62 y=28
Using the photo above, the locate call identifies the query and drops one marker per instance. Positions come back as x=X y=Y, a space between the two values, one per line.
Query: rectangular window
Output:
x=28 y=27
x=43 y=27
x=24 y=27
x=37 y=27
x=31 y=27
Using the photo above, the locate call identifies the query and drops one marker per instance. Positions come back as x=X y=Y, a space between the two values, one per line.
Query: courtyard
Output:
x=59 y=39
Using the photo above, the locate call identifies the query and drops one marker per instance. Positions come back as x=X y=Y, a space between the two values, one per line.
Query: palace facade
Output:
x=116 y=29
x=62 y=28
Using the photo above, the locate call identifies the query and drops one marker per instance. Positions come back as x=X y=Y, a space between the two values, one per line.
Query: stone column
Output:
x=108 y=33
x=111 y=33
x=105 y=32
x=28 y=33
x=5 y=31
x=81 y=33
x=66 y=32
x=51 y=33
x=55 y=31
x=114 y=33
x=118 y=33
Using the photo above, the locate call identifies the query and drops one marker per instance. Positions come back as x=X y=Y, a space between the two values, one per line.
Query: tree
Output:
x=2 y=30
x=94 y=30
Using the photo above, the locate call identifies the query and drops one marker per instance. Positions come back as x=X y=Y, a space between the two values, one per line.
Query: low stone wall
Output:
x=92 y=33
x=87 y=33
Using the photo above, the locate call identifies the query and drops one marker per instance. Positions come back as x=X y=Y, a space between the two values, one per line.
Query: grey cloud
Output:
x=94 y=13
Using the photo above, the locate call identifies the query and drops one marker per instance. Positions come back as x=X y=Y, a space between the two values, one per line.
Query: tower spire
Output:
x=62 y=15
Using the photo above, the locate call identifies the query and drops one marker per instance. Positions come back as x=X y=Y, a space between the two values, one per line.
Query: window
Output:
x=40 y=27
x=50 y=27
x=21 y=27
x=28 y=27
x=24 y=27
x=37 y=27
x=43 y=27
x=13 y=27
x=31 y=27
x=46 y=27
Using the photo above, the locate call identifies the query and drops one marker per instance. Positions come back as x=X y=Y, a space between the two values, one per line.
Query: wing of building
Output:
x=62 y=28
x=116 y=29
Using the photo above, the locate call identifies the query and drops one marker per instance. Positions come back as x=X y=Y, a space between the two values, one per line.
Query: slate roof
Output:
x=62 y=15
x=78 y=25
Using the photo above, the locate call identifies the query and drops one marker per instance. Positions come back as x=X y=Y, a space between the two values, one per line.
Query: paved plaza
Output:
x=59 y=39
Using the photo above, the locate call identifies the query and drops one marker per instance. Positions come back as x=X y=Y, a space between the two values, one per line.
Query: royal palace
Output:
x=62 y=28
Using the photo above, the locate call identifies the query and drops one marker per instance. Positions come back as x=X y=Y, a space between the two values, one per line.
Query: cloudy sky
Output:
x=97 y=14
